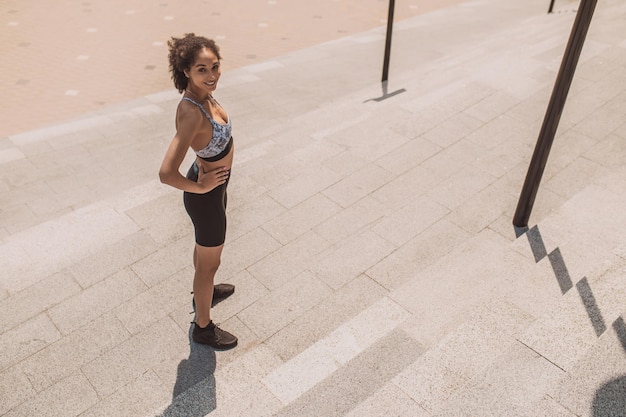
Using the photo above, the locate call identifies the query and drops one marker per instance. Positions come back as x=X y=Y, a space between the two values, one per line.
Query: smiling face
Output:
x=204 y=73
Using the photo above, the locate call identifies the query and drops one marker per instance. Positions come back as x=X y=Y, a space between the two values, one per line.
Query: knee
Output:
x=208 y=268
x=208 y=259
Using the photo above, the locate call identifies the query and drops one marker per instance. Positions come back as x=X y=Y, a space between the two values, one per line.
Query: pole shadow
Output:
x=386 y=94
x=563 y=277
x=619 y=326
x=194 y=392
x=610 y=398
x=589 y=301
x=555 y=257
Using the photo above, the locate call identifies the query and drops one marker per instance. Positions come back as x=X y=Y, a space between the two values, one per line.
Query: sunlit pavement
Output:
x=370 y=235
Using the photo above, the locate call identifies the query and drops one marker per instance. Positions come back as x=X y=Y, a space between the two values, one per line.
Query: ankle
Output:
x=203 y=324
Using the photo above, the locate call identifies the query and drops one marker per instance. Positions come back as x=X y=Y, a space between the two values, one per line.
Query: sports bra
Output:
x=221 y=134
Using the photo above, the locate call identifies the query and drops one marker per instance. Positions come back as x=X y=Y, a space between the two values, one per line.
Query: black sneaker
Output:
x=220 y=292
x=213 y=336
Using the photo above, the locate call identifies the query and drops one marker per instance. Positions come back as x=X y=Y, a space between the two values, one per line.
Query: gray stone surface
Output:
x=357 y=379
x=370 y=240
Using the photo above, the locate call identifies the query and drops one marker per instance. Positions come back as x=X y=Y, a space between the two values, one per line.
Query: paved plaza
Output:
x=370 y=236
x=86 y=55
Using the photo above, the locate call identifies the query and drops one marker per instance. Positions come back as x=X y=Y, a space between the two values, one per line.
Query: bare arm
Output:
x=188 y=124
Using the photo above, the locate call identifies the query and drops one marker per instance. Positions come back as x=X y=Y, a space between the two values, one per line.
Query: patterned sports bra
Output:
x=221 y=134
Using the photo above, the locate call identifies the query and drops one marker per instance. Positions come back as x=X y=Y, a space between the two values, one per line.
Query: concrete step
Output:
x=351 y=301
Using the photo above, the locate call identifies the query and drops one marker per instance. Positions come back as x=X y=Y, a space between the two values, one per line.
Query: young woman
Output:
x=202 y=125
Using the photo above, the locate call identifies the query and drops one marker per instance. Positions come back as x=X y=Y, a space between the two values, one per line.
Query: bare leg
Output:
x=206 y=261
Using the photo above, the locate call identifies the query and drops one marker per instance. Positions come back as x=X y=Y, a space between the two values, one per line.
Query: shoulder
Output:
x=187 y=106
x=188 y=112
x=189 y=120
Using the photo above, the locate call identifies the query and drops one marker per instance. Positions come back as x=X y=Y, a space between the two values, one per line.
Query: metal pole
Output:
x=554 y=111
x=388 y=41
x=551 y=6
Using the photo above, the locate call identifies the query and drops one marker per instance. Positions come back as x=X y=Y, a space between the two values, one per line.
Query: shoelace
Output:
x=218 y=332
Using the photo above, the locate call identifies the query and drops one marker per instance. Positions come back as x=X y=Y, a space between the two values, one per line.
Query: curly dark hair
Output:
x=182 y=54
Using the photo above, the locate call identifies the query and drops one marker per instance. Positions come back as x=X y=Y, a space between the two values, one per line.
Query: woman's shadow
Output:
x=194 y=391
x=610 y=399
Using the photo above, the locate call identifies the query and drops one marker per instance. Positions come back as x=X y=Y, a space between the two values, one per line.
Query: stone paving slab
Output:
x=370 y=241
